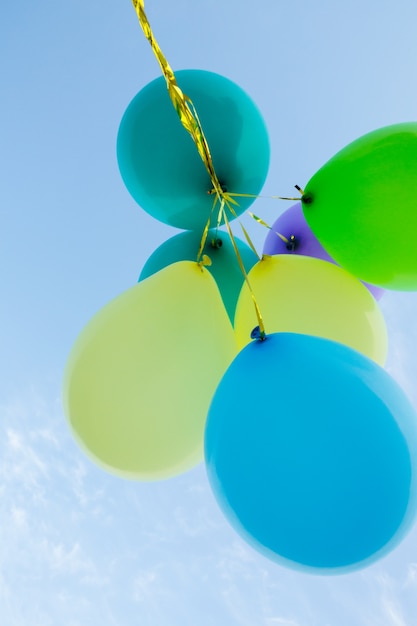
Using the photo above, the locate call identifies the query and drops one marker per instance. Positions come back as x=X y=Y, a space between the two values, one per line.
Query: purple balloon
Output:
x=301 y=240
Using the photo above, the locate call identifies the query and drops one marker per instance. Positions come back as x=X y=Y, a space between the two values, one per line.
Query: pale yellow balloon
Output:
x=142 y=373
x=309 y=296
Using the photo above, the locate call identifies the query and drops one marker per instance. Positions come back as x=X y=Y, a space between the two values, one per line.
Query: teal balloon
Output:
x=159 y=162
x=311 y=452
x=224 y=267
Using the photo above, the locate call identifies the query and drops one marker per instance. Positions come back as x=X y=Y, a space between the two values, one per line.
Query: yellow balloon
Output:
x=309 y=296
x=141 y=375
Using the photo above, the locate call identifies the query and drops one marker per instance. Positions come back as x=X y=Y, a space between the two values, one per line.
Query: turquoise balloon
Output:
x=311 y=452
x=160 y=164
x=224 y=266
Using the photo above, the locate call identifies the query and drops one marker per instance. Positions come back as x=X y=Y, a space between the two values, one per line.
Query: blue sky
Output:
x=79 y=547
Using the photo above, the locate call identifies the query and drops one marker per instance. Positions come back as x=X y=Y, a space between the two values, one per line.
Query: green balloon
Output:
x=224 y=266
x=362 y=206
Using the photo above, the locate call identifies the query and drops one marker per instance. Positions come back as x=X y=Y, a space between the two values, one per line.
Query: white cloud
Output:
x=412 y=574
x=281 y=621
x=393 y=614
x=144 y=585
x=25 y=454
x=19 y=517
x=68 y=559
x=101 y=545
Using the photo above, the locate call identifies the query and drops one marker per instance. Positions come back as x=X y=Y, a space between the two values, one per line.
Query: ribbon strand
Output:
x=182 y=103
x=190 y=121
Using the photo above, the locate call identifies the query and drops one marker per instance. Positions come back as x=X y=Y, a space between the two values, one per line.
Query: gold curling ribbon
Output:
x=182 y=103
x=262 y=223
x=253 y=195
x=249 y=240
x=189 y=119
x=261 y=325
x=205 y=233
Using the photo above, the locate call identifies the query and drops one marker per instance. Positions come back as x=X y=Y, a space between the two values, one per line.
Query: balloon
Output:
x=301 y=294
x=362 y=206
x=160 y=164
x=224 y=264
x=141 y=375
x=294 y=227
x=311 y=452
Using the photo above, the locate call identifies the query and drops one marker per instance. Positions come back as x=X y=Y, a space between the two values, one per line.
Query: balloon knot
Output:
x=205 y=261
x=291 y=243
x=307 y=198
x=258 y=334
x=216 y=242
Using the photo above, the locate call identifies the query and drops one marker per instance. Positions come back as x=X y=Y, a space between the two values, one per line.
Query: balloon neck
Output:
x=258 y=334
x=307 y=198
x=216 y=242
x=291 y=244
x=204 y=262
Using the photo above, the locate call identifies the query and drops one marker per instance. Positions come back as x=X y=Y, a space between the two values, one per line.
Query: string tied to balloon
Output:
x=290 y=242
x=223 y=216
x=189 y=119
x=183 y=104
x=258 y=334
x=254 y=195
x=306 y=198
x=216 y=242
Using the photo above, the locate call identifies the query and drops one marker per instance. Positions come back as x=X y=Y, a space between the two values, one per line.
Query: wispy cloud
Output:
x=393 y=613
x=77 y=542
x=411 y=579
x=281 y=621
x=144 y=585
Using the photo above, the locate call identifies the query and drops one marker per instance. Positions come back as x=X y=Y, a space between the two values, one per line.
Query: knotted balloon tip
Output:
x=291 y=243
x=258 y=334
x=205 y=261
x=307 y=198
x=216 y=242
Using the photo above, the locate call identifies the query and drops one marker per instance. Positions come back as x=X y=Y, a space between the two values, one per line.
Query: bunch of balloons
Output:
x=310 y=446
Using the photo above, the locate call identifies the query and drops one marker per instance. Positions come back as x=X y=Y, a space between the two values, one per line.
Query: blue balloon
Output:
x=311 y=452
x=160 y=164
x=224 y=267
